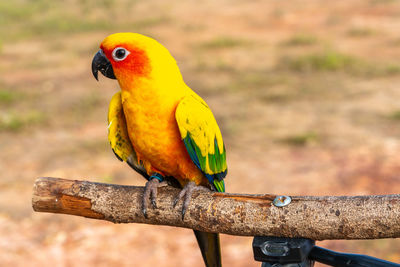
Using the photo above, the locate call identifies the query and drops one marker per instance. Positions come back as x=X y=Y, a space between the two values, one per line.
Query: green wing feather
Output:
x=202 y=138
x=118 y=135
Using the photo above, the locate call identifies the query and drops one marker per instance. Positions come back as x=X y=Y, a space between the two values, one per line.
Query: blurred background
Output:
x=306 y=94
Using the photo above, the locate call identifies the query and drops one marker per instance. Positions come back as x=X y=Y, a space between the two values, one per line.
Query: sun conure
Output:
x=159 y=126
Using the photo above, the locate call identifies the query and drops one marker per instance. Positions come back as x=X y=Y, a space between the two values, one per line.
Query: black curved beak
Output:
x=102 y=64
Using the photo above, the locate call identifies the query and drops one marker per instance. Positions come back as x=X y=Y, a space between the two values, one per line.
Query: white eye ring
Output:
x=120 y=53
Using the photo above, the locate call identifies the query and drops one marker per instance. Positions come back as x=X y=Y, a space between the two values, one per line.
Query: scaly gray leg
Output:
x=186 y=194
x=150 y=191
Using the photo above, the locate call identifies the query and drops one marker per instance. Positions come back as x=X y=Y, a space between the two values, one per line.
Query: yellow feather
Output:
x=117 y=131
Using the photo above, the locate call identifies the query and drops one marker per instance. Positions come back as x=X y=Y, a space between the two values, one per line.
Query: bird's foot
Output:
x=186 y=194
x=150 y=192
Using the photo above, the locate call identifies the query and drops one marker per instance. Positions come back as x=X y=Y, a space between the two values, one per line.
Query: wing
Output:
x=119 y=138
x=203 y=139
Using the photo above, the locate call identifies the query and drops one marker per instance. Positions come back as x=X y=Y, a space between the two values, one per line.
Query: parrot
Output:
x=160 y=127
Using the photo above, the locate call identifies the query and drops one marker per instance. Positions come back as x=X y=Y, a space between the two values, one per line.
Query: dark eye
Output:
x=120 y=53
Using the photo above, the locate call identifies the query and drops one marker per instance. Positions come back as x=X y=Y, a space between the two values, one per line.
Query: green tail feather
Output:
x=219 y=185
x=210 y=248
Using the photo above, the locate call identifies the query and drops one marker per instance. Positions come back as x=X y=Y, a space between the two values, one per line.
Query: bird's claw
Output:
x=186 y=194
x=150 y=194
x=153 y=202
x=176 y=201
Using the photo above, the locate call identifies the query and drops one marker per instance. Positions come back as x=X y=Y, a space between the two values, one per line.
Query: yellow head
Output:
x=131 y=56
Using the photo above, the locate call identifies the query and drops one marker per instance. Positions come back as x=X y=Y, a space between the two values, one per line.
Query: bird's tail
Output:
x=210 y=248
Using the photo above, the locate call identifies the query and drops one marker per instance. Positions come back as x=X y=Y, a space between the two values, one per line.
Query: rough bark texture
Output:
x=318 y=218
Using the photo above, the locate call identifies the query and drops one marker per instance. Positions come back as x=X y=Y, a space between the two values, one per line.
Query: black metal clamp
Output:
x=302 y=252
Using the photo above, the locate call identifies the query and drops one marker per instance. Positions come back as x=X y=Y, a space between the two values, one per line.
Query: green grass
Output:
x=301 y=40
x=66 y=24
x=360 y=32
x=7 y=96
x=333 y=61
x=325 y=61
x=390 y=69
x=18 y=10
x=300 y=139
x=40 y=18
x=223 y=42
x=16 y=122
x=395 y=115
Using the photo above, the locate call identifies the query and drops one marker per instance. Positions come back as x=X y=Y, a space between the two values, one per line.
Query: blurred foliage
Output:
x=361 y=32
x=8 y=96
x=325 y=61
x=303 y=139
x=22 y=19
x=18 y=121
x=395 y=115
x=334 y=61
x=301 y=40
x=224 y=42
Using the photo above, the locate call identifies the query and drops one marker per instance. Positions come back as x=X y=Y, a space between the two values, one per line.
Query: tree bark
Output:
x=314 y=217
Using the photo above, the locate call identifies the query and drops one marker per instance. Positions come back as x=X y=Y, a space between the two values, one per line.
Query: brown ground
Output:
x=306 y=94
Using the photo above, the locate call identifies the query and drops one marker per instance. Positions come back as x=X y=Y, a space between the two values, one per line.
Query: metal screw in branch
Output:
x=282 y=201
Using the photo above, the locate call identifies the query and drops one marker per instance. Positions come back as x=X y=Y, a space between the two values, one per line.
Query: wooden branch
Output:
x=318 y=218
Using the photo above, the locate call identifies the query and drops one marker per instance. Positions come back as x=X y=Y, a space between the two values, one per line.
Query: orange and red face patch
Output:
x=136 y=63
